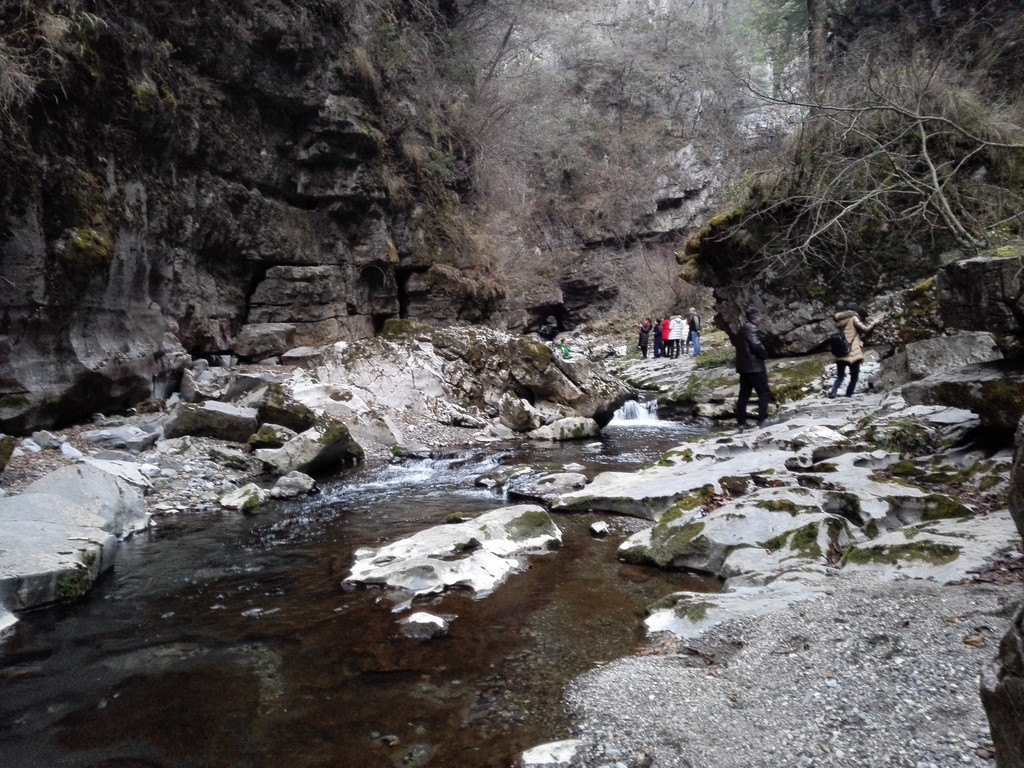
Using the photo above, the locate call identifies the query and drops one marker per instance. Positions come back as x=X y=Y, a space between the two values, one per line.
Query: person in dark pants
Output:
x=750 y=357
x=644 y=337
x=658 y=343
x=852 y=324
x=693 y=321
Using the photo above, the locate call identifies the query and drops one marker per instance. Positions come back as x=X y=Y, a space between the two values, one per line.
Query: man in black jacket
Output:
x=750 y=357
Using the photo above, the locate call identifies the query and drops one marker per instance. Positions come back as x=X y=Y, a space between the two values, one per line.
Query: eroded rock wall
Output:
x=181 y=171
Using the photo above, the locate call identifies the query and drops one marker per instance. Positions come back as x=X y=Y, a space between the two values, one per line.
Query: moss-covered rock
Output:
x=667 y=543
x=74 y=584
x=325 y=447
x=270 y=436
x=7 y=446
x=926 y=551
x=396 y=328
x=531 y=524
x=939 y=507
x=277 y=406
x=792 y=382
x=89 y=249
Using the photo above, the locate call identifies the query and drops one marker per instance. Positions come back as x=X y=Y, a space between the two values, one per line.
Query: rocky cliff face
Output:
x=203 y=179
x=183 y=174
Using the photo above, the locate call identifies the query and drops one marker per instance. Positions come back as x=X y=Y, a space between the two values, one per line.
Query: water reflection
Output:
x=224 y=640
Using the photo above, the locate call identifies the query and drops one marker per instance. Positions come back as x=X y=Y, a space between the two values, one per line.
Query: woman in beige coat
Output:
x=850 y=322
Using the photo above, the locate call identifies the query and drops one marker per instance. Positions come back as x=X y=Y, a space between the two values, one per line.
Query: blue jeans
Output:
x=695 y=341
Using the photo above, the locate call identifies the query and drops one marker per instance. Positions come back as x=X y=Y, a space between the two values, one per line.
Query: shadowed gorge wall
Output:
x=196 y=179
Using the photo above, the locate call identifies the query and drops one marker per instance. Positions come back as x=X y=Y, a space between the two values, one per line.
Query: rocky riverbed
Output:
x=865 y=545
x=846 y=635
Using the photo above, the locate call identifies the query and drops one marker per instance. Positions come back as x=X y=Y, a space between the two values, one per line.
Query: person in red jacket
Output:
x=665 y=341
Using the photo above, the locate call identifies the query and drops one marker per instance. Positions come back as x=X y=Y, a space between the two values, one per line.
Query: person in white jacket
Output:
x=676 y=331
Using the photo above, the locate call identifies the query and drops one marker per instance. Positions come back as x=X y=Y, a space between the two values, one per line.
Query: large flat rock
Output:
x=50 y=549
x=477 y=554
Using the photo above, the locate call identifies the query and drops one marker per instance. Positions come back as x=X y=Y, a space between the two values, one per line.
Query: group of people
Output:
x=672 y=336
x=676 y=335
x=852 y=322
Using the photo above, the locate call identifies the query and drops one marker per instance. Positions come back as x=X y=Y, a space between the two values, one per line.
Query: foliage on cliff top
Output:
x=907 y=156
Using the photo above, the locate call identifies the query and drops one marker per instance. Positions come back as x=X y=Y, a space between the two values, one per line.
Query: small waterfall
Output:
x=635 y=411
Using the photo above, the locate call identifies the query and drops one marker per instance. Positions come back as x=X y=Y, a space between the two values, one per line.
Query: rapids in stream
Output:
x=230 y=640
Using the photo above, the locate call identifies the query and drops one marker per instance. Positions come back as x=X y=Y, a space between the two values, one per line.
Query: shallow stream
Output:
x=230 y=640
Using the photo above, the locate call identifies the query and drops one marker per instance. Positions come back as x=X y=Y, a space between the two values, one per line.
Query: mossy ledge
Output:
x=928 y=552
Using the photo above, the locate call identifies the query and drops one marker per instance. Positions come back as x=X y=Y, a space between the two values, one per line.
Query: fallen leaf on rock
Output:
x=975 y=641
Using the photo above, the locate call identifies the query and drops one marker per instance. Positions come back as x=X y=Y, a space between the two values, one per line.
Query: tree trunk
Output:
x=817 y=40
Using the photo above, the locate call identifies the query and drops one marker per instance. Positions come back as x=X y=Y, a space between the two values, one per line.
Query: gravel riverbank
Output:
x=877 y=673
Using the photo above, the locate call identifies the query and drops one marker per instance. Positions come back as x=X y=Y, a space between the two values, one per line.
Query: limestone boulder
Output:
x=128 y=437
x=51 y=549
x=46 y=440
x=920 y=359
x=276 y=405
x=131 y=472
x=222 y=421
x=257 y=341
x=270 y=436
x=248 y=498
x=232 y=457
x=478 y=554
x=544 y=486
x=292 y=485
x=518 y=414
x=994 y=391
x=705 y=543
x=201 y=382
x=983 y=293
x=570 y=428
x=646 y=494
x=117 y=502
x=324 y=447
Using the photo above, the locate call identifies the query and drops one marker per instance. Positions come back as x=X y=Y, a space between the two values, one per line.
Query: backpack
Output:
x=838 y=345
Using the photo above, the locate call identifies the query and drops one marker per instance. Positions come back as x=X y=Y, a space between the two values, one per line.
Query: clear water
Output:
x=228 y=640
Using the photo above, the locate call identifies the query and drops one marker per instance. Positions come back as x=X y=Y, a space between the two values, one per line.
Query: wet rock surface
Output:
x=841 y=665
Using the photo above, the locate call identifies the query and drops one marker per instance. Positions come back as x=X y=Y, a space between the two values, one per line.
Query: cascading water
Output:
x=635 y=410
